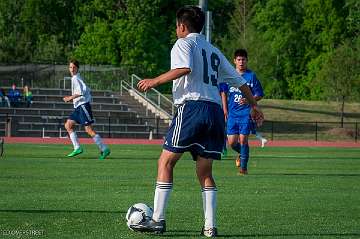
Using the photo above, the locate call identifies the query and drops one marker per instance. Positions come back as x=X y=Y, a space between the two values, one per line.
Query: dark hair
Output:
x=75 y=62
x=240 y=52
x=192 y=17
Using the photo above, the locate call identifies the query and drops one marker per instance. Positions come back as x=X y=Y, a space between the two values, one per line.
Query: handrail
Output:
x=153 y=96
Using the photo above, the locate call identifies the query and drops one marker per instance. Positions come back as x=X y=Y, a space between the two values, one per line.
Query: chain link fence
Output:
x=317 y=131
x=56 y=76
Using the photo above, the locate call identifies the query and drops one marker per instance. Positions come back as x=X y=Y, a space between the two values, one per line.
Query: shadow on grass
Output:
x=188 y=233
x=58 y=211
x=332 y=113
x=310 y=174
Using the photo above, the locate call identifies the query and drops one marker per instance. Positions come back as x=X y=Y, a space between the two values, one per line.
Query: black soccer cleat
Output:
x=150 y=226
x=211 y=232
x=1 y=146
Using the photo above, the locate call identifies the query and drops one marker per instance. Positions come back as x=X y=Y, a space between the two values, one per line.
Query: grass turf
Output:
x=289 y=193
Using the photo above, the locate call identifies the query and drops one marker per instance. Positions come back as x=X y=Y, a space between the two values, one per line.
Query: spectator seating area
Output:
x=117 y=116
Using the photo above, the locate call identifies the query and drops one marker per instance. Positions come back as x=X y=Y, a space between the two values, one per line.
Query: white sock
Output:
x=98 y=141
x=204 y=201
x=210 y=206
x=259 y=136
x=162 y=194
x=74 y=140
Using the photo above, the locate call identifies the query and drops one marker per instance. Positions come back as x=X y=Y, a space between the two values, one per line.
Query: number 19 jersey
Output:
x=208 y=66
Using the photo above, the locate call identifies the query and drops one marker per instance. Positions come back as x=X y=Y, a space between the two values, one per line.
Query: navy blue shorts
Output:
x=199 y=128
x=83 y=115
x=240 y=126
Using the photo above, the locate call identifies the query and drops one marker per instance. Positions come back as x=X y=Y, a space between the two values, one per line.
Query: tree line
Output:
x=307 y=49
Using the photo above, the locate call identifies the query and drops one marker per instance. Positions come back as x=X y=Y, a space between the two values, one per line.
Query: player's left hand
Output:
x=257 y=115
x=145 y=84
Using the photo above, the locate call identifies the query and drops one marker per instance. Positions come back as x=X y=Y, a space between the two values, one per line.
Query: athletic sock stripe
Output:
x=207 y=189
x=164 y=188
x=164 y=185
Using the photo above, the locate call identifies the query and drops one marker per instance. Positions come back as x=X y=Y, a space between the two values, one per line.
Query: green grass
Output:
x=289 y=193
x=309 y=111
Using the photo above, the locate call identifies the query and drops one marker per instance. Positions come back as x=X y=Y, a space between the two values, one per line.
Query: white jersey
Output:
x=78 y=87
x=208 y=66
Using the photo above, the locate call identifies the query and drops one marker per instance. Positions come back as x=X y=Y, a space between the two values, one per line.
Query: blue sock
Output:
x=237 y=148
x=244 y=155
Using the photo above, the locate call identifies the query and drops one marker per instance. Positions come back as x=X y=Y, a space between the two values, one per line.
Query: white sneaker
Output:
x=263 y=142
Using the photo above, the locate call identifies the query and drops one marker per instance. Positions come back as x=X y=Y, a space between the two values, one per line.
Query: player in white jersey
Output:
x=81 y=97
x=198 y=125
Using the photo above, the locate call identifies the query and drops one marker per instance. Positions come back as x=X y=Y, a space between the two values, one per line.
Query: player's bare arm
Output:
x=224 y=104
x=244 y=101
x=70 y=97
x=256 y=113
x=147 y=84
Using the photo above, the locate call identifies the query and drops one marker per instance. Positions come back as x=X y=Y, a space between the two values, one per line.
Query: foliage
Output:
x=97 y=45
x=289 y=41
x=340 y=76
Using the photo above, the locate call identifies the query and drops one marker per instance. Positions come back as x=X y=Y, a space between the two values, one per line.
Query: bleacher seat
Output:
x=114 y=118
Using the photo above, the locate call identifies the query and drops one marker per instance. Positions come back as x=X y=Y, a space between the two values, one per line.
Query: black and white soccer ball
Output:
x=137 y=213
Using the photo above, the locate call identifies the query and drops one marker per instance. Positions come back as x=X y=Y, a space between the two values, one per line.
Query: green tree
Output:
x=324 y=27
x=339 y=77
x=26 y=24
x=10 y=30
x=97 y=45
x=143 y=37
x=353 y=18
x=49 y=49
x=277 y=23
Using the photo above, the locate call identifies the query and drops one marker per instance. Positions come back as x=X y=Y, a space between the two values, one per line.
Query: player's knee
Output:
x=243 y=141
x=206 y=180
x=166 y=165
x=90 y=131
x=68 y=125
x=232 y=142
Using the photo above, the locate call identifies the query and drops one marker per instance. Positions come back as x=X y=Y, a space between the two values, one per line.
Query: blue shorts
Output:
x=240 y=126
x=83 y=114
x=197 y=127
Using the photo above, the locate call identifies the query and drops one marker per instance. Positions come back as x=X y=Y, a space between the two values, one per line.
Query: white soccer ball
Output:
x=137 y=213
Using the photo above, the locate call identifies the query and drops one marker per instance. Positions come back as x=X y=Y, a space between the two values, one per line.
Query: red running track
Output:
x=277 y=143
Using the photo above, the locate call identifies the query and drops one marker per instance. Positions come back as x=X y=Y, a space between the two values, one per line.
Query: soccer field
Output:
x=289 y=193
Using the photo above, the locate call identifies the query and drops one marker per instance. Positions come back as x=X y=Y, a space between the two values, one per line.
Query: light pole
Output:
x=203 y=4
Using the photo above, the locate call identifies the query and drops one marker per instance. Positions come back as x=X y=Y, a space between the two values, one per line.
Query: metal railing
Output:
x=317 y=131
x=113 y=127
x=103 y=77
x=152 y=96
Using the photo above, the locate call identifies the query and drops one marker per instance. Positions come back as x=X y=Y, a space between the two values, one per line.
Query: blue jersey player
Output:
x=80 y=96
x=198 y=125
x=237 y=111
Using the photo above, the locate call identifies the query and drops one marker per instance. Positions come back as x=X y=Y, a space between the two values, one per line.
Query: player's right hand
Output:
x=145 y=84
x=257 y=115
x=67 y=98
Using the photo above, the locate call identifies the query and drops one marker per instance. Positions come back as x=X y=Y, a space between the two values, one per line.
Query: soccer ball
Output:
x=137 y=213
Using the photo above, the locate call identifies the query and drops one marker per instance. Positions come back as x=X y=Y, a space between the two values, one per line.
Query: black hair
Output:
x=240 y=52
x=192 y=17
x=75 y=62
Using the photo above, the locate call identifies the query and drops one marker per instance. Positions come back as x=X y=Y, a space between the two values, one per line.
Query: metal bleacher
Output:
x=117 y=116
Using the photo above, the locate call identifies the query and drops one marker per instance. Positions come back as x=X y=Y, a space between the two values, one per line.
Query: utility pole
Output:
x=203 y=4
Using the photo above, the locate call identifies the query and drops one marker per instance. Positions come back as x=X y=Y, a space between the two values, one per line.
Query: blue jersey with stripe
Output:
x=235 y=110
